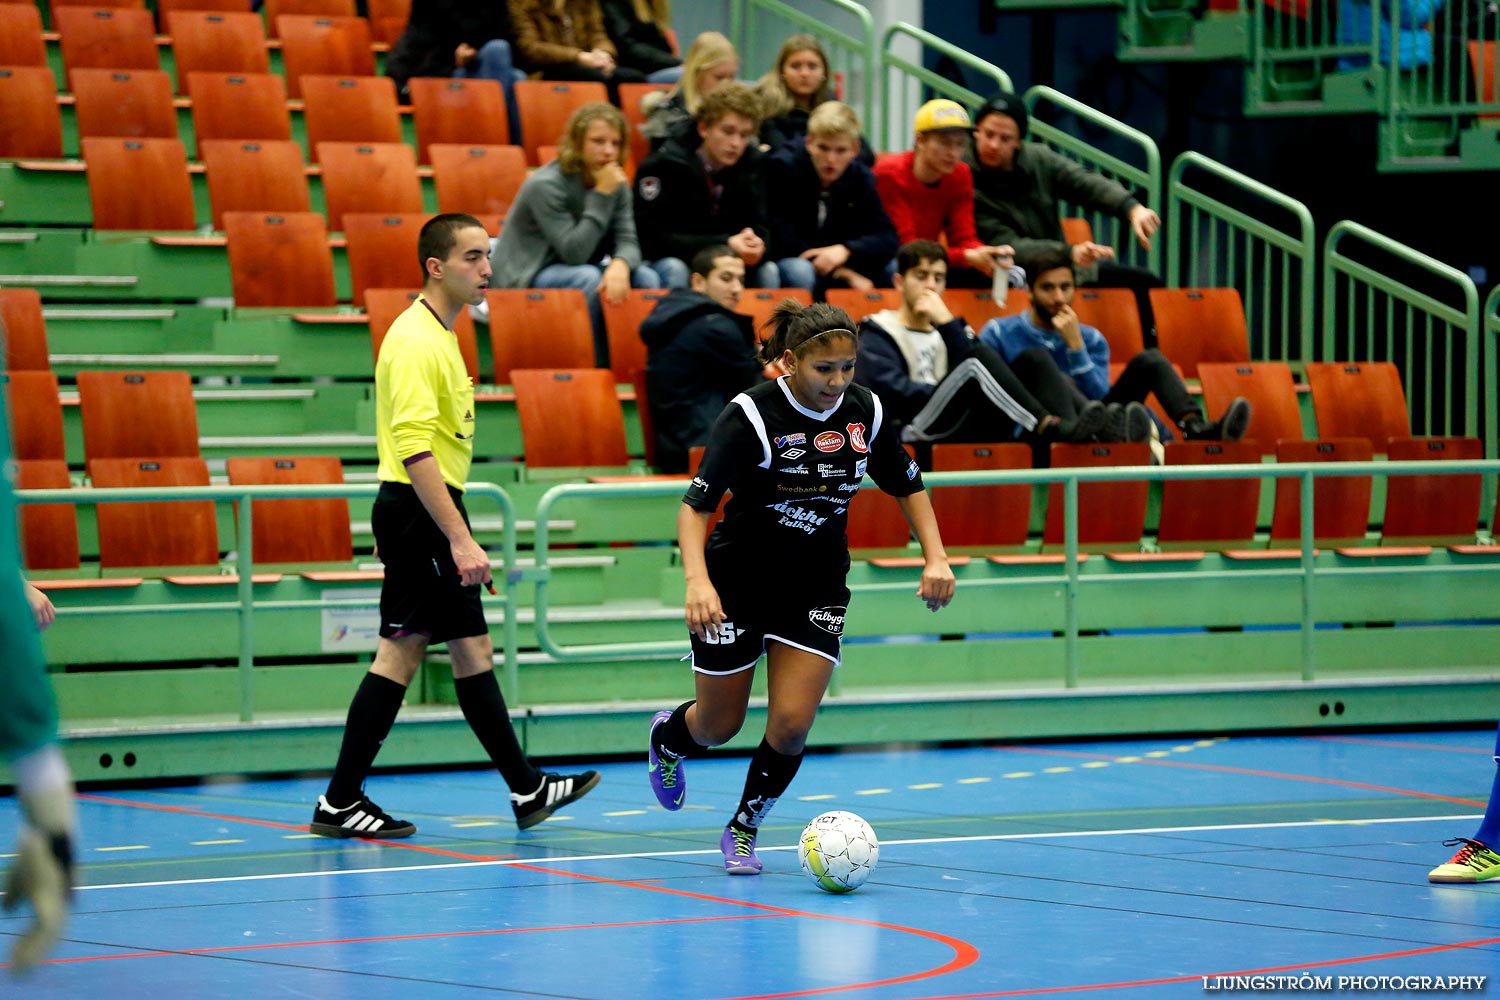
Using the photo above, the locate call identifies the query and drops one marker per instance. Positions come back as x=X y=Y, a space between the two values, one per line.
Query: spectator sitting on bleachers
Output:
x=937 y=381
x=1048 y=339
x=705 y=187
x=711 y=61
x=639 y=30
x=829 y=227
x=443 y=38
x=798 y=85
x=572 y=224
x=1413 y=31
x=1017 y=186
x=566 y=40
x=928 y=192
x=699 y=354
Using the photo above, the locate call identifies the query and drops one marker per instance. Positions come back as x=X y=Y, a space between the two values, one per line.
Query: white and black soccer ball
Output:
x=838 y=850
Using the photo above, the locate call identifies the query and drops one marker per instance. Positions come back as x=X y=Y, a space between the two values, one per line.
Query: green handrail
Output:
x=845 y=51
x=1369 y=315
x=1215 y=244
x=1070 y=582
x=1491 y=379
x=898 y=103
x=1141 y=178
x=244 y=602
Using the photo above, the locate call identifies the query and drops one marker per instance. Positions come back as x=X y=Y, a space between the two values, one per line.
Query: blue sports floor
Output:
x=1130 y=869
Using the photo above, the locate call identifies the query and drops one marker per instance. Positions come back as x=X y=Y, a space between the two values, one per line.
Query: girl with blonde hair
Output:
x=711 y=61
x=800 y=81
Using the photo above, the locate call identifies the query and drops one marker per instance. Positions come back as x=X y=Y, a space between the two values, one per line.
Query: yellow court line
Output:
x=627 y=812
x=1095 y=763
x=483 y=822
x=209 y=843
x=300 y=836
x=1056 y=770
x=1019 y=774
x=813 y=798
x=126 y=847
x=972 y=781
x=873 y=791
x=924 y=787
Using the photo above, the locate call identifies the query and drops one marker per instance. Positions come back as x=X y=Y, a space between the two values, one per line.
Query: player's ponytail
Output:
x=793 y=326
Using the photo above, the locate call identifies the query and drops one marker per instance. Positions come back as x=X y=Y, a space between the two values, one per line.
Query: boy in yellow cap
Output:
x=928 y=192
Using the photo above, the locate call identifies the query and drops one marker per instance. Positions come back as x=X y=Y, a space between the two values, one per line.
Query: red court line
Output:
x=284 y=826
x=1246 y=770
x=165 y=952
x=965 y=954
x=1402 y=745
x=1211 y=975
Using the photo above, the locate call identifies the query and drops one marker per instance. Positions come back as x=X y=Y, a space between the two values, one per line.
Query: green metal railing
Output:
x=245 y=603
x=1295 y=55
x=1432 y=333
x=1305 y=572
x=1429 y=108
x=1491 y=375
x=850 y=53
x=1140 y=171
x=1263 y=245
x=916 y=83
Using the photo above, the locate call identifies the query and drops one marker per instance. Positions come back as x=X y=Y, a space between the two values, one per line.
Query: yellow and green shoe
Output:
x=1474 y=862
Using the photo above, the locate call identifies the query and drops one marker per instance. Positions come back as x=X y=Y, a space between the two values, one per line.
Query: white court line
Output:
x=543 y=862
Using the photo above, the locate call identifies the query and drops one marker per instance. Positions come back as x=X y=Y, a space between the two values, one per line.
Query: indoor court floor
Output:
x=1120 y=868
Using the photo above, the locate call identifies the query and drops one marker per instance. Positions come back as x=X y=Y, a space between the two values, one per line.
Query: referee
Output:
x=424 y=411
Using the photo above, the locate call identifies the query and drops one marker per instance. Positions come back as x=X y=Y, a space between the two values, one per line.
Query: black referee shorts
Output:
x=422 y=593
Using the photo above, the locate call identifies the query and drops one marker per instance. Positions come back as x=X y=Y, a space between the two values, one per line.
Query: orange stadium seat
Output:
x=259 y=176
x=1114 y=313
x=1432 y=509
x=100 y=38
x=1111 y=516
x=21 y=42
x=121 y=102
x=1194 y=325
x=240 y=106
x=457 y=110
x=861 y=304
x=279 y=259
x=539 y=328
x=383 y=305
x=155 y=533
x=208 y=41
x=1209 y=513
x=759 y=303
x=49 y=532
x=876 y=524
x=1274 y=412
x=631 y=95
x=991 y=517
x=1486 y=70
x=139 y=184
x=622 y=327
x=480 y=180
x=349 y=109
x=25 y=330
x=323 y=46
x=978 y=305
x=369 y=178
x=1359 y=400
x=593 y=433
x=146 y=414
x=1076 y=229
x=166 y=9
x=381 y=250
x=545 y=106
x=96 y=3
x=388 y=19
x=276 y=9
x=1341 y=504
x=36 y=419
x=295 y=531
x=28 y=106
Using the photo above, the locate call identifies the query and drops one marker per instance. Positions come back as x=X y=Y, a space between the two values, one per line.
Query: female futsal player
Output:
x=771 y=578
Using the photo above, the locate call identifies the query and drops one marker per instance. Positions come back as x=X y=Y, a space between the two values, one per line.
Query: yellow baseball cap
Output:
x=943 y=116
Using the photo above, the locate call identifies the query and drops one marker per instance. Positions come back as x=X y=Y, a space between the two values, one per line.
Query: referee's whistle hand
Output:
x=473 y=565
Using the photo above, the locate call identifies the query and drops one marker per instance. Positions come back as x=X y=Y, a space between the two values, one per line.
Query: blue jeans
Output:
x=494 y=63
x=586 y=278
x=797 y=272
x=675 y=273
x=671 y=74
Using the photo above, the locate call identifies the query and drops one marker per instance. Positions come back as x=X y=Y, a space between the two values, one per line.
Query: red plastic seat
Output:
x=323 y=46
x=1341 y=504
x=369 y=178
x=1111 y=516
x=138 y=414
x=36 y=419
x=1275 y=414
x=279 y=259
x=479 y=180
x=162 y=533
x=28 y=106
x=25 y=330
x=1362 y=399
x=593 y=433
x=295 y=531
x=119 y=102
x=1432 y=509
x=139 y=184
x=457 y=110
x=1194 y=325
x=1209 y=513
x=258 y=176
x=622 y=325
x=539 y=328
x=545 y=106
x=49 y=532
x=992 y=517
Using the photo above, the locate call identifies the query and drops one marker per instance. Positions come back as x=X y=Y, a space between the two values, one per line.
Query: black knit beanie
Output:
x=1005 y=104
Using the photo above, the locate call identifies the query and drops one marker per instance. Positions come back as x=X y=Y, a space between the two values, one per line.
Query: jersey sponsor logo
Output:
x=860 y=466
x=796 y=470
x=650 y=188
x=700 y=482
x=797 y=517
x=727 y=634
x=829 y=441
x=857 y=437
x=911 y=469
x=848 y=487
x=790 y=439
x=830 y=471
x=793 y=453
x=784 y=488
x=830 y=619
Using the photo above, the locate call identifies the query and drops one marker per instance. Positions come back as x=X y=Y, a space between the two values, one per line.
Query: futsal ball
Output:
x=838 y=850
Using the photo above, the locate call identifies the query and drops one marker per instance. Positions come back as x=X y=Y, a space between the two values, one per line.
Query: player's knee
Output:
x=717 y=728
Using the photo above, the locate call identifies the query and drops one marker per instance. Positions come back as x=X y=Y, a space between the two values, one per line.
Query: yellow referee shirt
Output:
x=424 y=400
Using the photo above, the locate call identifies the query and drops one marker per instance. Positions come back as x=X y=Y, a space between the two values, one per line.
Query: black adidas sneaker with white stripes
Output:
x=363 y=819
x=556 y=791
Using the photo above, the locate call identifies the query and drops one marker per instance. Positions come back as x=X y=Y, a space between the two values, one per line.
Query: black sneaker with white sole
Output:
x=556 y=791
x=363 y=819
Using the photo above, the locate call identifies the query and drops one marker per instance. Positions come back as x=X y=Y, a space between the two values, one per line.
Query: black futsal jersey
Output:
x=791 y=472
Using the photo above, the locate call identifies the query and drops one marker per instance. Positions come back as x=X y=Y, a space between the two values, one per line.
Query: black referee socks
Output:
x=371 y=714
x=484 y=709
